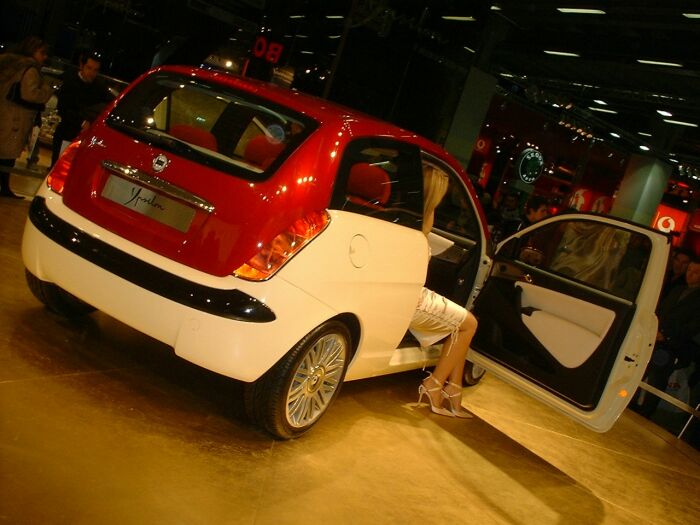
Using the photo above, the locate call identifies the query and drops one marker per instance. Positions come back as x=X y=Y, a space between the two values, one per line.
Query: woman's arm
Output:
x=34 y=88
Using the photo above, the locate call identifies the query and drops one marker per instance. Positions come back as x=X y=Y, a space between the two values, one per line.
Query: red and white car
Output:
x=275 y=238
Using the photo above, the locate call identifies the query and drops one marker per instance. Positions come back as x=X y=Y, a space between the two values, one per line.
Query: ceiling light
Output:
x=644 y=134
x=297 y=16
x=333 y=36
x=601 y=102
x=460 y=18
x=691 y=15
x=664 y=113
x=495 y=8
x=674 y=160
x=602 y=110
x=469 y=49
x=571 y=10
x=644 y=148
x=561 y=53
x=334 y=17
x=681 y=123
x=307 y=52
x=659 y=63
x=612 y=133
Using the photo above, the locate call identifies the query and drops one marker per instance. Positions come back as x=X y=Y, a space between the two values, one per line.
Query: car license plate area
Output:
x=149 y=203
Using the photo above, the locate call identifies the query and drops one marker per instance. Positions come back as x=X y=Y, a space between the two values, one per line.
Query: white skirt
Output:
x=435 y=318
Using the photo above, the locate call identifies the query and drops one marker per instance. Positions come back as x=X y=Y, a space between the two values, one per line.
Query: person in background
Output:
x=675 y=274
x=536 y=209
x=81 y=98
x=679 y=325
x=505 y=217
x=17 y=116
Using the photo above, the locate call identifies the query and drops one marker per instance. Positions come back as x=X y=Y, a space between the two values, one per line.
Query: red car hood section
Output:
x=246 y=213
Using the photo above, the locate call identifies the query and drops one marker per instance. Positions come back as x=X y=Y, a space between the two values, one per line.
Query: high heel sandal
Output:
x=422 y=391
x=456 y=408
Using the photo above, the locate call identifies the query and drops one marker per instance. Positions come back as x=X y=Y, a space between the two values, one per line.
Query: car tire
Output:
x=293 y=395
x=56 y=299
x=473 y=374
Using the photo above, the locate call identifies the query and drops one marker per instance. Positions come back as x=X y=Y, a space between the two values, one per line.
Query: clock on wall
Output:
x=529 y=165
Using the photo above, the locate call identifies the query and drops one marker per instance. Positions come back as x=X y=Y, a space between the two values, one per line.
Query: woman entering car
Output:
x=437 y=317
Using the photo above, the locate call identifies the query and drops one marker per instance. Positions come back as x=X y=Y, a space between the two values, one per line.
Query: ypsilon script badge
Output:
x=160 y=163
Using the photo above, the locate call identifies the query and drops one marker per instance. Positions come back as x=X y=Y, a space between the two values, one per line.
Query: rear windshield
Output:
x=211 y=124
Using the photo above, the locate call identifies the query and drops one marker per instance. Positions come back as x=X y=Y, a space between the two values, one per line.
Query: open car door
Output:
x=567 y=314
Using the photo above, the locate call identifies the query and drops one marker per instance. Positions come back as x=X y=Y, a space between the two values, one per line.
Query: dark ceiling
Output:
x=607 y=69
x=511 y=39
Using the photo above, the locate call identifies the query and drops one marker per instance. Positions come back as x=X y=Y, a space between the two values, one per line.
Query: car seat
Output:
x=195 y=135
x=368 y=186
x=262 y=151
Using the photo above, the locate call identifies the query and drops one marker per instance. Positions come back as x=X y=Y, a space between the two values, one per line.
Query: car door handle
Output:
x=526 y=277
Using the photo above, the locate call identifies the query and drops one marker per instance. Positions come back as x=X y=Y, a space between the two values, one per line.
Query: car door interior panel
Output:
x=557 y=332
x=570 y=329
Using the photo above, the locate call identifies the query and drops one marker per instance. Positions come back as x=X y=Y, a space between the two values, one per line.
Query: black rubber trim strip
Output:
x=231 y=304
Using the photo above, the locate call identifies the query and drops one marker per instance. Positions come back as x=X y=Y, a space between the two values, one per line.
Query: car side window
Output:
x=455 y=213
x=381 y=178
x=605 y=257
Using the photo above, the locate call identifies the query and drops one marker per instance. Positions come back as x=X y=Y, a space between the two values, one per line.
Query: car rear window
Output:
x=211 y=124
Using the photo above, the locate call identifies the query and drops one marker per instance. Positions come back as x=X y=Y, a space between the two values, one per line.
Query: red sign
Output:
x=267 y=50
x=483 y=145
x=581 y=199
x=484 y=174
x=671 y=220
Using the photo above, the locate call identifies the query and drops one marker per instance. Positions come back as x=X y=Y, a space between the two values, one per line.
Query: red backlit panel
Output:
x=671 y=220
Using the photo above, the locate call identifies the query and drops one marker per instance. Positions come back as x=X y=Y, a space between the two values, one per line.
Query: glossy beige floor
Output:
x=100 y=424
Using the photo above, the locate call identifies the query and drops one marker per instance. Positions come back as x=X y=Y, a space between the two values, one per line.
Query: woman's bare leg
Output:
x=450 y=366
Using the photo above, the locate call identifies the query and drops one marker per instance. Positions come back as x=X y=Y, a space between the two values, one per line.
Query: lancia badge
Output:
x=160 y=163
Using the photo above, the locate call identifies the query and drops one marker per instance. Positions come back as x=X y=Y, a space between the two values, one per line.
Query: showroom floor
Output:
x=100 y=424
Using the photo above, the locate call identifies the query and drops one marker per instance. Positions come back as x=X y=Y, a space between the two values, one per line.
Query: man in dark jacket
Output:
x=679 y=325
x=80 y=99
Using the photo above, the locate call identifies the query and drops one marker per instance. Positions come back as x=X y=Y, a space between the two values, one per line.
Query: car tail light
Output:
x=59 y=173
x=275 y=254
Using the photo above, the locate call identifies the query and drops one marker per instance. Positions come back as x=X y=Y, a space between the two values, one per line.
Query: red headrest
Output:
x=369 y=183
x=194 y=135
x=262 y=151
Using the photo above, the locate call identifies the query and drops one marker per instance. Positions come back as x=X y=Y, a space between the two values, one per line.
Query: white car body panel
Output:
x=360 y=275
x=238 y=349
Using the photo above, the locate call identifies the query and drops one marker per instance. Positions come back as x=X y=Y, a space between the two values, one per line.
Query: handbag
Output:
x=14 y=95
